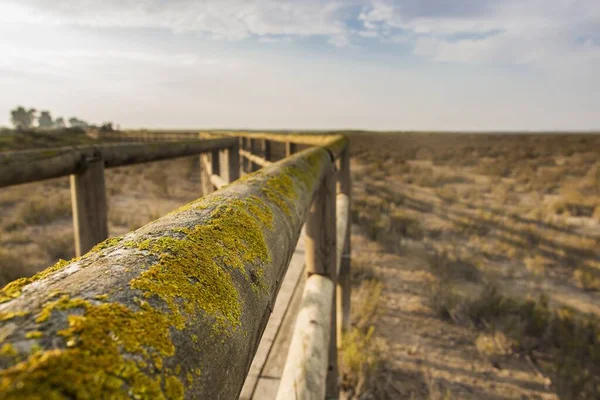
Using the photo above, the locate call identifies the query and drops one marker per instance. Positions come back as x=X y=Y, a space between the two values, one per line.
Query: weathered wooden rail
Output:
x=177 y=308
x=85 y=165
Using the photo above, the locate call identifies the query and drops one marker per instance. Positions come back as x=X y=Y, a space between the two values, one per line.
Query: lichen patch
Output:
x=195 y=265
x=102 y=345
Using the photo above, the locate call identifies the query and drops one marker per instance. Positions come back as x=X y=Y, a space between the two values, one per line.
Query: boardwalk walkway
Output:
x=263 y=378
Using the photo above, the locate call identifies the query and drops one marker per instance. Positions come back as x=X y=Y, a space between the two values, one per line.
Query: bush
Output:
x=586 y=280
x=44 y=210
x=450 y=265
x=362 y=360
x=405 y=225
x=571 y=345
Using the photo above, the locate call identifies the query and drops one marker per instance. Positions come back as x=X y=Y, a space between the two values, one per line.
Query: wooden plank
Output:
x=88 y=200
x=217 y=181
x=305 y=372
x=343 y=268
x=268 y=383
x=344 y=288
x=261 y=162
x=275 y=333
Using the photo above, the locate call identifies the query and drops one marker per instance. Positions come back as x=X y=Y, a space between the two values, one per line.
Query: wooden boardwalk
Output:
x=263 y=378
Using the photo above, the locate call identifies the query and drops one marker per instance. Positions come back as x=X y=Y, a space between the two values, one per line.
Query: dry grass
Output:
x=362 y=355
x=511 y=225
x=42 y=210
x=586 y=280
x=565 y=346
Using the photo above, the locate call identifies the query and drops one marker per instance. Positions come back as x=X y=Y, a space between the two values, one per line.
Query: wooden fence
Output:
x=177 y=308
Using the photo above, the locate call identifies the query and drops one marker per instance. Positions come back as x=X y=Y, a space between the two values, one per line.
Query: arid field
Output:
x=475 y=258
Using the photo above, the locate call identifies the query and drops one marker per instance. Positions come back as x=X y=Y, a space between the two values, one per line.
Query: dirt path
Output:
x=430 y=358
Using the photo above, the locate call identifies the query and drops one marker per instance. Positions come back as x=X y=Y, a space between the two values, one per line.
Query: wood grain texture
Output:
x=88 y=201
x=305 y=372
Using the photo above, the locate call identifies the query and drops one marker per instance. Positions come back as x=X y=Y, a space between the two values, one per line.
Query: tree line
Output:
x=22 y=118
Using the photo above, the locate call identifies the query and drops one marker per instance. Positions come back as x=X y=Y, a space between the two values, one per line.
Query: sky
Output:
x=305 y=64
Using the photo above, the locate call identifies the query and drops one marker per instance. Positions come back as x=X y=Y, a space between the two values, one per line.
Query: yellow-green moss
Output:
x=49 y=153
x=5 y=316
x=283 y=188
x=13 y=289
x=194 y=267
x=8 y=350
x=280 y=190
x=33 y=335
x=173 y=388
x=63 y=303
x=106 y=244
x=96 y=363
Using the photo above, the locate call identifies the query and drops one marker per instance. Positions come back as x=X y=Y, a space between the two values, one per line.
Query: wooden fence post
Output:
x=320 y=250
x=207 y=186
x=243 y=160
x=267 y=150
x=231 y=164
x=242 y=146
x=88 y=200
x=254 y=150
x=215 y=162
x=344 y=188
x=290 y=148
x=195 y=169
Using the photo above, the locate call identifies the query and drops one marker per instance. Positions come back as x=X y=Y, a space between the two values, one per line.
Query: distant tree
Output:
x=59 y=123
x=107 y=127
x=23 y=119
x=77 y=123
x=45 y=120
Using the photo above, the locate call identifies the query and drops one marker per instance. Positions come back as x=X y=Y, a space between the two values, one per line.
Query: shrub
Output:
x=570 y=344
x=405 y=225
x=450 y=265
x=58 y=246
x=44 y=210
x=586 y=280
x=536 y=265
x=362 y=360
x=574 y=203
x=447 y=193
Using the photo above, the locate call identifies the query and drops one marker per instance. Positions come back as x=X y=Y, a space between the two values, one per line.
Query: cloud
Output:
x=223 y=19
x=534 y=32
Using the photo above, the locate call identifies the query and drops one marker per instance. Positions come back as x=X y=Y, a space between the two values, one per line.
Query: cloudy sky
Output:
x=301 y=64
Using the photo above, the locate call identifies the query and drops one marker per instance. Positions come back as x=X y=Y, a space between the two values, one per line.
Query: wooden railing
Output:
x=176 y=309
x=85 y=165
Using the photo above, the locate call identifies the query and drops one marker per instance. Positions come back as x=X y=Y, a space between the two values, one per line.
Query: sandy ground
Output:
x=516 y=243
x=430 y=358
